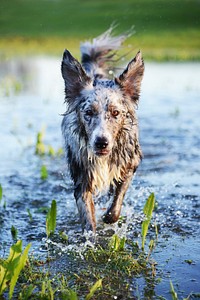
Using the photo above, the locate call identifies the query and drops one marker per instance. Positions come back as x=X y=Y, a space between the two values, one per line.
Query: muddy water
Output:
x=31 y=100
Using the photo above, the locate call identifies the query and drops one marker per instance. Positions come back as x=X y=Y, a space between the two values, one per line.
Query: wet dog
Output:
x=100 y=126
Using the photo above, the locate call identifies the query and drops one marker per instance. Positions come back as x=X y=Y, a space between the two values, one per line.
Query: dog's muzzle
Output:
x=101 y=146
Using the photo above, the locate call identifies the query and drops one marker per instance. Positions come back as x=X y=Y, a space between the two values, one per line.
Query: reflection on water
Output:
x=31 y=98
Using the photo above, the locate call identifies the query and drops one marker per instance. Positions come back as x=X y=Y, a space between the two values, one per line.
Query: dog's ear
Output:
x=130 y=79
x=74 y=76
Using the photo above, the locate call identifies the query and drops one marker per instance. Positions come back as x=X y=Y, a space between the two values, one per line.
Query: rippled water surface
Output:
x=31 y=101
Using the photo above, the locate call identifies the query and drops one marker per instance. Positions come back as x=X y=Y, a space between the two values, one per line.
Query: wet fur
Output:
x=100 y=126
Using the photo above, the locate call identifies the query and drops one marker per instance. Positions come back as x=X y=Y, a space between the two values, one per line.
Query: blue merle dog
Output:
x=100 y=126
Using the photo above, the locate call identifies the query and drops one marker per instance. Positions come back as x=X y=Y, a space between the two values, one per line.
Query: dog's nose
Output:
x=101 y=143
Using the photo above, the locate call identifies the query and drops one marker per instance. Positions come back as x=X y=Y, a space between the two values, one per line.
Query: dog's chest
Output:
x=103 y=175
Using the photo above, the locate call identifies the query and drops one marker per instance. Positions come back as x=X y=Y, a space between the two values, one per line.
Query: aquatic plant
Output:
x=94 y=288
x=147 y=210
x=110 y=260
x=51 y=219
x=11 y=268
x=29 y=214
x=42 y=149
x=47 y=287
x=43 y=172
x=14 y=232
x=1 y=197
x=117 y=243
x=172 y=291
x=1 y=192
x=63 y=236
x=175 y=296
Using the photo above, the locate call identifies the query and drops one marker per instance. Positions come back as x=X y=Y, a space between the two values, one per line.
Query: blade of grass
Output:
x=40 y=146
x=148 y=210
x=17 y=270
x=12 y=266
x=51 y=218
x=14 y=232
x=172 y=291
x=117 y=243
x=94 y=288
x=43 y=172
x=1 y=193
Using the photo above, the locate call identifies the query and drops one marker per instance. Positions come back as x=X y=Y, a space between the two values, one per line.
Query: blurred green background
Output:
x=164 y=29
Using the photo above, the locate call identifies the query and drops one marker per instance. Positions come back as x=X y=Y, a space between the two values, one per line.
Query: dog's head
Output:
x=104 y=107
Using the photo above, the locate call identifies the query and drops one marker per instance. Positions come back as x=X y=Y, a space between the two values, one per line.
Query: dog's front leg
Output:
x=113 y=212
x=86 y=209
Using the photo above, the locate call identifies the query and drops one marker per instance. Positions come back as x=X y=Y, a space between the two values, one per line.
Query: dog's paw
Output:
x=110 y=217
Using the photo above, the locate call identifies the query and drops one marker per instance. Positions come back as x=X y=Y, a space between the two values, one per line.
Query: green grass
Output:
x=165 y=29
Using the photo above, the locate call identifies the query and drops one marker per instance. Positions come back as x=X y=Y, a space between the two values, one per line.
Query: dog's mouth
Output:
x=102 y=152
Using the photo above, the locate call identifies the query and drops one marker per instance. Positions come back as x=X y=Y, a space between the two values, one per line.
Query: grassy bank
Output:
x=163 y=29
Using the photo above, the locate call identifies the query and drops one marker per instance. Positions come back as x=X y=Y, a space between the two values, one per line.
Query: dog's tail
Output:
x=97 y=54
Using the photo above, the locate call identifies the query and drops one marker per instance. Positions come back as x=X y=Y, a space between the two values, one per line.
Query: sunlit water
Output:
x=31 y=100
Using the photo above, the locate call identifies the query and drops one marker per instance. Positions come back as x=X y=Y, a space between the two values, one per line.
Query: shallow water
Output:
x=31 y=99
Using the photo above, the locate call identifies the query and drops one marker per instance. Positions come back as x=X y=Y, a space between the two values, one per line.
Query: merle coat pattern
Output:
x=100 y=126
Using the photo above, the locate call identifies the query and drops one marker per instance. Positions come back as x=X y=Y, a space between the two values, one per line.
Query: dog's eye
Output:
x=115 y=113
x=89 y=113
